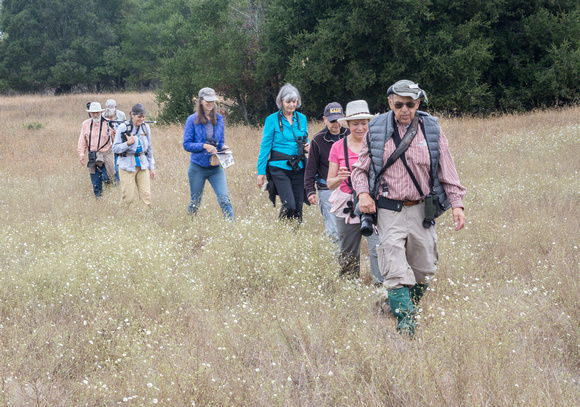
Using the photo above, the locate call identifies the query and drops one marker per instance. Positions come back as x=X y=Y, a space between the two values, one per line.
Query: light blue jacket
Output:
x=194 y=137
x=284 y=142
x=127 y=163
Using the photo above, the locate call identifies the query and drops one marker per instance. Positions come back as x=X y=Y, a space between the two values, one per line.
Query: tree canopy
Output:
x=470 y=56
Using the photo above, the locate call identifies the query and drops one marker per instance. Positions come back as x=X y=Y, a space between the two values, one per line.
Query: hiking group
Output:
x=384 y=177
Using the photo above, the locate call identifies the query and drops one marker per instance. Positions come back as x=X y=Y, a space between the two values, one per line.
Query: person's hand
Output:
x=210 y=149
x=307 y=147
x=82 y=159
x=152 y=174
x=343 y=173
x=366 y=204
x=261 y=180
x=458 y=218
x=312 y=199
x=130 y=140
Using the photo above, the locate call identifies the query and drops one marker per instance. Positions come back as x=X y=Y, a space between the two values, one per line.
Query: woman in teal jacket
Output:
x=282 y=153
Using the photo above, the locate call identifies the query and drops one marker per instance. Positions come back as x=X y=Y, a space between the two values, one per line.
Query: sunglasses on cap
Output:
x=399 y=105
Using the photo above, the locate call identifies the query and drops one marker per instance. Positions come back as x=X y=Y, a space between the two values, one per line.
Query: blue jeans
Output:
x=329 y=218
x=217 y=178
x=98 y=178
x=116 y=170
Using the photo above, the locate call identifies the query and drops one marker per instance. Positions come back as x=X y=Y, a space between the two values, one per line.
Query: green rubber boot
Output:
x=402 y=308
x=417 y=292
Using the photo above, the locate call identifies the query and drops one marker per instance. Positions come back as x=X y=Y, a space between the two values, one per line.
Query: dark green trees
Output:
x=470 y=55
x=59 y=43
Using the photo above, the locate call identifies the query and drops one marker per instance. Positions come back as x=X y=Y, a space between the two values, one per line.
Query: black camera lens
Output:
x=366 y=224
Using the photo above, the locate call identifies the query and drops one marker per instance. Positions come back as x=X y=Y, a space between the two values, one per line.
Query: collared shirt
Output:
x=400 y=185
x=103 y=144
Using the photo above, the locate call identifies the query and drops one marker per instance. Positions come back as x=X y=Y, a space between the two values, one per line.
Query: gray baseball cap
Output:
x=333 y=111
x=138 y=109
x=208 y=94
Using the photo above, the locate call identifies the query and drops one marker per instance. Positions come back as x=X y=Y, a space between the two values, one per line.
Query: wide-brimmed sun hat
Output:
x=407 y=88
x=95 y=107
x=356 y=110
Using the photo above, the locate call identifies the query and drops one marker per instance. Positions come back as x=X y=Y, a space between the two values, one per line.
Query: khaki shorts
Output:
x=407 y=251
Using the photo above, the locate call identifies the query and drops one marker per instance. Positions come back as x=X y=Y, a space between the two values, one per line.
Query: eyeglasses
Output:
x=399 y=105
x=333 y=121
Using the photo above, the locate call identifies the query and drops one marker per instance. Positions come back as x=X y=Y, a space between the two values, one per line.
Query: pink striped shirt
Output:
x=104 y=144
x=399 y=182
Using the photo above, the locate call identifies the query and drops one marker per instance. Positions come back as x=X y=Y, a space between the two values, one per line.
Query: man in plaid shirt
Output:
x=406 y=195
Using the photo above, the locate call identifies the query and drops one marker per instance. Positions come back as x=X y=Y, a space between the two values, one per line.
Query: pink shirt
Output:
x=399 y=182
x=104 y=144
x=337 y=156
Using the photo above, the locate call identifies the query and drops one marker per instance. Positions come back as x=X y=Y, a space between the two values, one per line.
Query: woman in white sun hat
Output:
x=343 y=154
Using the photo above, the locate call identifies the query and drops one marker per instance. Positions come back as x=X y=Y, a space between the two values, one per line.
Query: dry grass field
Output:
x=106 y=306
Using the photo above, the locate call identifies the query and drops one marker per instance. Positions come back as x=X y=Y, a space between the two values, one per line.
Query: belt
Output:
x=411 y=203
x=394 y=205
x=130 y=154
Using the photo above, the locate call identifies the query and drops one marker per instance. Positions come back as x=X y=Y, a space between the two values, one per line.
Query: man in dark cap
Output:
x=317 y=165
x=406 y=175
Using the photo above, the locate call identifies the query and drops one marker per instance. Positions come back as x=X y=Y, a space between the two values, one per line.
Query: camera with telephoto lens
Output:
x=431 y=204
x=367 y=223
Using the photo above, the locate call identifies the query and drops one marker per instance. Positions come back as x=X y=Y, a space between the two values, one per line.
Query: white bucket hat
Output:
x=356 y=110
x=95 y=107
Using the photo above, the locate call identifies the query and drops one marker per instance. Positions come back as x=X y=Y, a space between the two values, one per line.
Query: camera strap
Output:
x=99 y=141
x=400 y=147
x=300 y=143
x=348 y=180
x=398 y=142
x=350 y=204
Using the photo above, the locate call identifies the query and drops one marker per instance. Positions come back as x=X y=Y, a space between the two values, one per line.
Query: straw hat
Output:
x=356 y=110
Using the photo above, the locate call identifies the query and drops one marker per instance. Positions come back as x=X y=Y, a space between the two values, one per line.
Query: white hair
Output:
x=288 y=93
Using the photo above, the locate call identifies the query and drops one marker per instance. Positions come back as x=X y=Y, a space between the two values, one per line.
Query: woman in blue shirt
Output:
x=282 y=153
x=203 y=137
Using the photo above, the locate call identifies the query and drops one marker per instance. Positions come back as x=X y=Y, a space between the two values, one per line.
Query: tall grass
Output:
x=101 y=305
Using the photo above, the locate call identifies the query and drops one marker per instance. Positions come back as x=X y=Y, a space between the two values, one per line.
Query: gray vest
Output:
x=381 y=130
